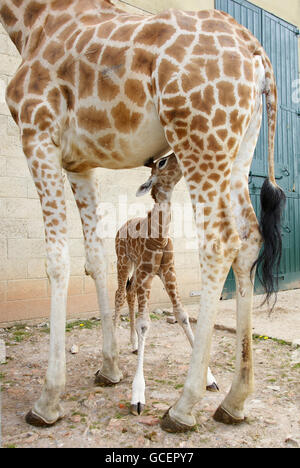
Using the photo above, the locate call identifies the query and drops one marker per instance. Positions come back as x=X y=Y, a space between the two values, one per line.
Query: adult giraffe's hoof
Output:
x=37 y=421
x=212 y=388
x=135 y=351
x=222 y=416
x=137 y=409
x=103 y=381
x=171 y=425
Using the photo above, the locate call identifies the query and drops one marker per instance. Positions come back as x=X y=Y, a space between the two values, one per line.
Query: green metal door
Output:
x=280 y=40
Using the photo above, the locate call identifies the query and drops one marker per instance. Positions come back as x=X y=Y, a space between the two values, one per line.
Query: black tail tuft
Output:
x=272 y=200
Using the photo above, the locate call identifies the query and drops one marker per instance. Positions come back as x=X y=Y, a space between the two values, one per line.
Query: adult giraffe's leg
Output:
x=86 y=192
x=231 y=411
x=219 y=248
x=168 y=276
x=43 y=161
x=205 y=134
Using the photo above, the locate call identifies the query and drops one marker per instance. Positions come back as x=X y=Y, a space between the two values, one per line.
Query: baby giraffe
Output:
x=144 y=250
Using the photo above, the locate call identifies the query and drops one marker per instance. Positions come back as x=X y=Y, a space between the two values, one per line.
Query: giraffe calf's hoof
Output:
x=103 y=381
x=222 y=416
x=137 y=409
x=169 y=424
x=213 y=387
x=35 y=420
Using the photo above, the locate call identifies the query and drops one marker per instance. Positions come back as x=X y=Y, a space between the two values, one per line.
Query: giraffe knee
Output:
x=181 y=317
x=58 y=265
x=95 y=265
x=225 y=247
x=249 y=252
x=142 y=326
x=233 y=248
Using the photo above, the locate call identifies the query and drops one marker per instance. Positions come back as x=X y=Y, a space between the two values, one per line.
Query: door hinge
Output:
x=288 y=109
x=284 y=170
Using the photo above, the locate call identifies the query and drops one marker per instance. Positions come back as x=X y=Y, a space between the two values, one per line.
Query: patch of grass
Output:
x=94 y=426
x=296 y=366
x=154 y=317
x=83 y=417
x=9 y=343
x=19 y=335
x=11 y=446
x=281 y=342
x=160 y=381
x=270 y=338
x=2 y=375
x=196 y=428
x=89 y=324
x=77 y=413
x=178 y=386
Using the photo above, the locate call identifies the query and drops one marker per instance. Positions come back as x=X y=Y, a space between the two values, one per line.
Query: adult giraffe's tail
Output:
x=272 y=197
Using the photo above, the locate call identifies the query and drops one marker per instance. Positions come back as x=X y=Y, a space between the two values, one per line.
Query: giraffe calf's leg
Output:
x=124 y=266
x=131 y=294
x=138 y=400
x=142 y=327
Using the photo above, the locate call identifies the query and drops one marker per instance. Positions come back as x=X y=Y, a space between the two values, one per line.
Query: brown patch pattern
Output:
x=125 y=120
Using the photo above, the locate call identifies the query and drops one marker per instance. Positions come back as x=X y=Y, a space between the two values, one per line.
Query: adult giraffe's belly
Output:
x=91 y=138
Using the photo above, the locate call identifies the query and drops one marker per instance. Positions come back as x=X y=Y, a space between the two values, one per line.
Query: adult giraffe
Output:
x=98 y=87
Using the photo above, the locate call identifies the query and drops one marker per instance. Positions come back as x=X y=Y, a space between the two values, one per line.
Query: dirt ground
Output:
x=99 y=417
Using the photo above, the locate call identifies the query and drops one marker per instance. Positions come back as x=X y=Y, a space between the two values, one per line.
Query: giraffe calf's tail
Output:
x=272 y=199
x=130 y=278
x=128 y=284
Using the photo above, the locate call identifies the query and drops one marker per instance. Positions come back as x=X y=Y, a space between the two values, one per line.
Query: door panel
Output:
x=280 y=42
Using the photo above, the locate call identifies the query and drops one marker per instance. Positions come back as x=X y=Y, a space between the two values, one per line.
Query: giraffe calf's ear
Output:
x=146 y=187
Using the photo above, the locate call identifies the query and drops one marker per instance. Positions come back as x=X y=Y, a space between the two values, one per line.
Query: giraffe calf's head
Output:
x=165 y=174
